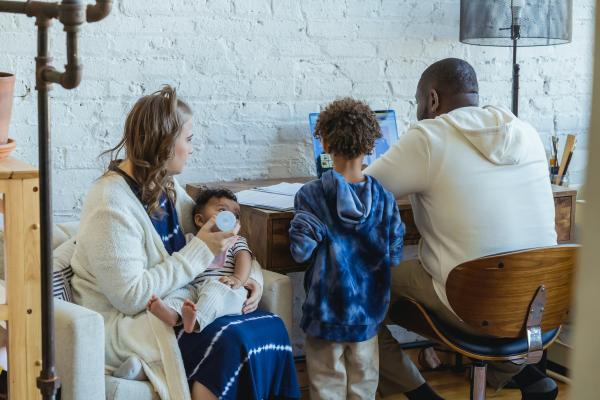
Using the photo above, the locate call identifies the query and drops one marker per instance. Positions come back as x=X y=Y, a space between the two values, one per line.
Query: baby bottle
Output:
x=226 y=221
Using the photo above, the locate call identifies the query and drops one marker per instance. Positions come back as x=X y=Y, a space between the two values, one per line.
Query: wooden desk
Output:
x=267 y=231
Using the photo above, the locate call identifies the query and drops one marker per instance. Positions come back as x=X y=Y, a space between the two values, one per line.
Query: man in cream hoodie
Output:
x=478 y=184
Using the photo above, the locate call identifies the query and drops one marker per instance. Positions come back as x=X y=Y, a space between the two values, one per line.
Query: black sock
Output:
x=535 y=385
x=423 y=392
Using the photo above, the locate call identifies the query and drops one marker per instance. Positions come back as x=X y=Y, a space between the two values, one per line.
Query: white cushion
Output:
x=62 y=271
x=63 y=231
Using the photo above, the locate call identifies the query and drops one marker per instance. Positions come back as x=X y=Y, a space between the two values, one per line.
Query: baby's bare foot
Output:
x=188 y=316
x=163 y=312
x=151 y=301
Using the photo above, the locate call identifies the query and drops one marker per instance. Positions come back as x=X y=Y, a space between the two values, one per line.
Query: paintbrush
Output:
x=566 y=151
x=568 y=162
x=554 y=155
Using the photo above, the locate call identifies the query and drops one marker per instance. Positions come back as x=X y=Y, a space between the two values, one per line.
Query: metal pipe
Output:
x=515 y=36
x=14 y=7
x=71 y=13
x=31 y=8
x=478 y=380
x=72 y=76
x=98 y=11
x=47 y=382
x=42 y=10
x=515 y=81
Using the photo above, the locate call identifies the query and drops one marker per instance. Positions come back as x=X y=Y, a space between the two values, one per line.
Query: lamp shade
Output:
x=542 y=22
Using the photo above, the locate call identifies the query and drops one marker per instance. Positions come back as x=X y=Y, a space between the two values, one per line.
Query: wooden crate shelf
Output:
x=19 y=184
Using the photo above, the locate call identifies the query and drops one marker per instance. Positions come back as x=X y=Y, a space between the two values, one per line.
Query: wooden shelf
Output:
x=3 y=312
x=12 y=168
x=20 y=188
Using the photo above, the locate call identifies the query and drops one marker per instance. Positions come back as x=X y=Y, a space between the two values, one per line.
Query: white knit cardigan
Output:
x=119 y=262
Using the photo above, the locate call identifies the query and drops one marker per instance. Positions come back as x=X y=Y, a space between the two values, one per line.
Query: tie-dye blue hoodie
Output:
x=350 y=234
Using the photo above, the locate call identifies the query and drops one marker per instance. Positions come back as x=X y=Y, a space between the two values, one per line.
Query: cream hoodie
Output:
x=478 y=184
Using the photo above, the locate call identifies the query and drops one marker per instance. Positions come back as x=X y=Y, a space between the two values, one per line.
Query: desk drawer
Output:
x=281 y=258
x=564 y=218
x=268 y=239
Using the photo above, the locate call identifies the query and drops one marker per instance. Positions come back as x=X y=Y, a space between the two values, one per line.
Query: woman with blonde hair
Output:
x=131 y=246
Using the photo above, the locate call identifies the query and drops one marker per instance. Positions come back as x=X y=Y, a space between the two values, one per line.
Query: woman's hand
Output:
x=251 y=304
x=216 y=241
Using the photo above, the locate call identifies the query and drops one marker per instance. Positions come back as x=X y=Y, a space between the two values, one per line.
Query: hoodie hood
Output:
x=492 y=131
x=353 y=200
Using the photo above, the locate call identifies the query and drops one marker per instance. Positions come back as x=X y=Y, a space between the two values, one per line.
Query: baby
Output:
x=219 y=290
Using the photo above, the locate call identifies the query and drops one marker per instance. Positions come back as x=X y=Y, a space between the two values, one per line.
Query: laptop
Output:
x=389 y=132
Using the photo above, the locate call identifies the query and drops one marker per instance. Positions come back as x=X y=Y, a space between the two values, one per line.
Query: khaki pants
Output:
x=398 y=373
x=342 y=370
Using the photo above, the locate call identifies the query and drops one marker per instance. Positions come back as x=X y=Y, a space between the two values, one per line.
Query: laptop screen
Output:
x=389 y=132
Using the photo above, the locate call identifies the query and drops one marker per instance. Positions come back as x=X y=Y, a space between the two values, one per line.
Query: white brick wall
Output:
x=253 y=69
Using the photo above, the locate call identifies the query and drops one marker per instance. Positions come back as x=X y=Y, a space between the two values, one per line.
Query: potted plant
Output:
x=7 y=88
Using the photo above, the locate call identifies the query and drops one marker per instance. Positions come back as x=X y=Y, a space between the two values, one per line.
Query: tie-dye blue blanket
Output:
x=242 y=357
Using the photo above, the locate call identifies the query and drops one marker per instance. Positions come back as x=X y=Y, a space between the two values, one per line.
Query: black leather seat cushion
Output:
x=487 y=345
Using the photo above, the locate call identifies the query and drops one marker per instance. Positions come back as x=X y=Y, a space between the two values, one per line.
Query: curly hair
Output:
x=348 y=127
x=151 y=129
x=206 y=194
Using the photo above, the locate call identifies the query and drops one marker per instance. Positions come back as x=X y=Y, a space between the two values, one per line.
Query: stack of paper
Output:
x=288 y=189
x=278 y=197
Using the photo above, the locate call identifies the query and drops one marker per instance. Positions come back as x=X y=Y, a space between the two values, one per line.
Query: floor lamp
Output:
x=516 y=23
x=71 y=14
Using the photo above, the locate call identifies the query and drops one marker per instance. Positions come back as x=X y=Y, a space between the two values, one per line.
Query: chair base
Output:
x=481 y=350
x=478 y=380
x=414 y=317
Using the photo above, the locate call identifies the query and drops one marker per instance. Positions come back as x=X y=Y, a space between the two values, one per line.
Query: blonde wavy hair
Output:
x=151 y=130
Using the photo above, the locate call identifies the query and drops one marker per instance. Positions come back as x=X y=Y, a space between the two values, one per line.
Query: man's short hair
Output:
x=450 y=76
x=349 y=128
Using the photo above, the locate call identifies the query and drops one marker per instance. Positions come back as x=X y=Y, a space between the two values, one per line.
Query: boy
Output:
x=347 y=228
x=219 y=290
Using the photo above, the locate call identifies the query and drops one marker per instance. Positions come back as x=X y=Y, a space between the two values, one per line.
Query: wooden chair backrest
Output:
x=493 y=294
